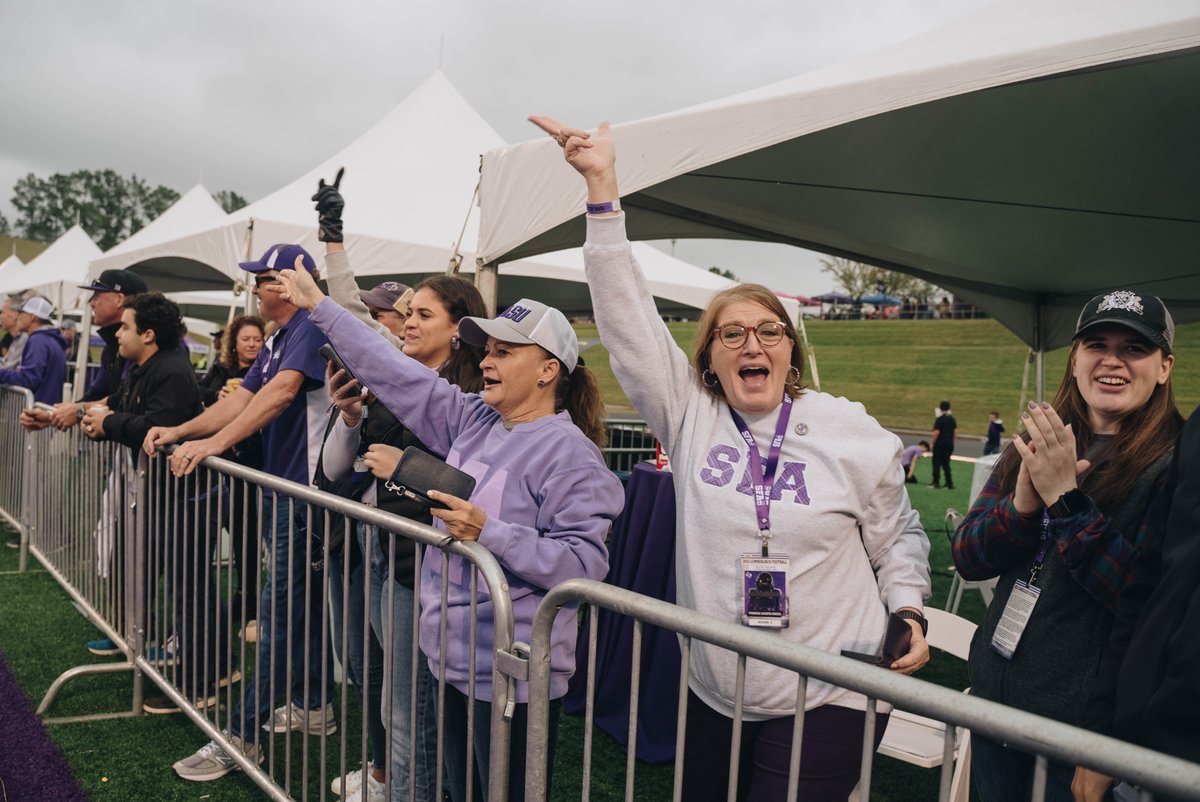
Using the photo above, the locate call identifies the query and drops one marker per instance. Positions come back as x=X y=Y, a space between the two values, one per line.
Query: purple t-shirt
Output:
x=548 y=495
x=292 y=441
x=910 y=454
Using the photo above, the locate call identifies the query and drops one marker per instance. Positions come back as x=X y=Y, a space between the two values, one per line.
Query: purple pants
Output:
x=830 y=757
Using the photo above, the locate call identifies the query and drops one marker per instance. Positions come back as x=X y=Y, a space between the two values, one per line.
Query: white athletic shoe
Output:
x=212 y=762
x=370 y=791
x=353 y=781
x=296 y=719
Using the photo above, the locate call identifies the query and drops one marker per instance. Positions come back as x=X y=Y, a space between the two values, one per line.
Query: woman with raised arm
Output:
x=366 y=432
x=771 y=479
x=543 y=501
x=1060 y=520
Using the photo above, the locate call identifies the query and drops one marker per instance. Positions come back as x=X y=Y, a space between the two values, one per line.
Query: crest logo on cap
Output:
x=1123 y=300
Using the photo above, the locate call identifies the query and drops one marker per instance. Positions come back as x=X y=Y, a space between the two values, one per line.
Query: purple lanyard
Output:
x=762 y=479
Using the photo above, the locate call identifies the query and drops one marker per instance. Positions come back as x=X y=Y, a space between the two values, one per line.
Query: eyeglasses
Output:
x=733 y=335
x=261 y=280
x=382 y=314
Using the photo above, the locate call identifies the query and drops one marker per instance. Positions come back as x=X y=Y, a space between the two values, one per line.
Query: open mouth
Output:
x=1113 y=381
x=754 y=375
x=489 y=382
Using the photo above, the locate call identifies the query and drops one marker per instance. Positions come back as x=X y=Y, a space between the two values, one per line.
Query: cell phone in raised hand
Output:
x=330 y=355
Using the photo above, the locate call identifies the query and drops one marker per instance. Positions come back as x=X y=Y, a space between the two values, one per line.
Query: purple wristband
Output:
x=604 y=208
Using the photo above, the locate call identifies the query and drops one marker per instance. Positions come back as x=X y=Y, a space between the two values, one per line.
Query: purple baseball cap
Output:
x=280 y=257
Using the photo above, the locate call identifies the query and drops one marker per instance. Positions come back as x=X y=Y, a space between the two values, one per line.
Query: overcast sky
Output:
x=248 y=95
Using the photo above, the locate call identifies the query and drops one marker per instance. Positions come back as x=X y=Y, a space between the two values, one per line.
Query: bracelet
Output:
x=604 y=208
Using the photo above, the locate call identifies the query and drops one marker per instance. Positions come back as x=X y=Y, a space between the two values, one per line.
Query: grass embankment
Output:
x=901 y=369
x=25 y=249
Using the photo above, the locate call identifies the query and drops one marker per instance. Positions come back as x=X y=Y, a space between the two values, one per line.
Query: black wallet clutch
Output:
x=896 y=643
x=418 y=472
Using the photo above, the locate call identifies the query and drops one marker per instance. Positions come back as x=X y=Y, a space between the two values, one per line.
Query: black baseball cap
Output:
x=123 y=281
x=1145 y=314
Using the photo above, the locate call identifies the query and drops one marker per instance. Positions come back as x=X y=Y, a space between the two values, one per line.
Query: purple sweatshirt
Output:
x=548 y=495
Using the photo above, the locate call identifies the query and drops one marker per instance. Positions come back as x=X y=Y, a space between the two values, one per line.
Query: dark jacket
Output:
x=1149 y=686
x=112 y=367
x=160 y=392
x=43 y=367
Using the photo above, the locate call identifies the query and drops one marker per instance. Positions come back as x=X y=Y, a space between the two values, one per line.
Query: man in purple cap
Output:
x=283 y=396
x=109 y=292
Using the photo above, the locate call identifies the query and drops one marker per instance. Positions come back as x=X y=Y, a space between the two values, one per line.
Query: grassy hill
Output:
x=26 y=249
x=901 y=369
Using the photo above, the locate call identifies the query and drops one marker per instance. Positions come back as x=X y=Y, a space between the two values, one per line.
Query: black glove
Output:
x=329 y=209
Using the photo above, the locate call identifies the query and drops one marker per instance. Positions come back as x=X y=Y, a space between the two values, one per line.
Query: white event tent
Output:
x=55 y=272
x=1025 y=157
x=409 y=186
x=9 y=265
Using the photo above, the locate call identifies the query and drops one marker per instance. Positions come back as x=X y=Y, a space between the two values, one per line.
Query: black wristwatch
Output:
x=913 y=615
x=1070 y=503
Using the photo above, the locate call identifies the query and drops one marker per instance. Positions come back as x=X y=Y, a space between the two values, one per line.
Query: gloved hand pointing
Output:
x=330 y=203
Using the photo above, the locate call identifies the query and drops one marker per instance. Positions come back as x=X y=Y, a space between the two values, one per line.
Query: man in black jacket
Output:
x=1148 y=689
x=160 y=390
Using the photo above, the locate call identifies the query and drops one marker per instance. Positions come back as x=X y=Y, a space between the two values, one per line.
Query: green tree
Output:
x=109 y=206
x=230 y=201
x=857 y=279
x=4 y=229
x=723 y=273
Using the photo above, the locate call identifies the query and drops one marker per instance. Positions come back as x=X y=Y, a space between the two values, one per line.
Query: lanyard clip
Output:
x=766 y=536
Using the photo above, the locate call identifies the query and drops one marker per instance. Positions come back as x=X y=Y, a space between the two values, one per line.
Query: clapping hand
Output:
x=330 y=204
x=1048 y=459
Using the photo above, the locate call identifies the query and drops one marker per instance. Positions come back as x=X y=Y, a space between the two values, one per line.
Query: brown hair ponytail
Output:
x=579 y=394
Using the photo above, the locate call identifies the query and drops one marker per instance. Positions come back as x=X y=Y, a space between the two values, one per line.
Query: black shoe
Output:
x=934 y=486
x=949 y=487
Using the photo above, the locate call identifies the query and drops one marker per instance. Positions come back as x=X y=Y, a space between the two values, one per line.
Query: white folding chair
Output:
x=920 y=740
x=986 y=587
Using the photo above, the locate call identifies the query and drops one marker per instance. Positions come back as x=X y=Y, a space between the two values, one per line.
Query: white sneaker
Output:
x=353 y=781
x=371 y=791
x=212 y=762
x=291 y=718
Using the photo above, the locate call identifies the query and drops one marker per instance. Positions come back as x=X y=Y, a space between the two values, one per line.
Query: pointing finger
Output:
x=337 y=181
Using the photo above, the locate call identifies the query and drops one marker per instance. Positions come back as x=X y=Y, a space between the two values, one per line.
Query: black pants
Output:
x=941 y=462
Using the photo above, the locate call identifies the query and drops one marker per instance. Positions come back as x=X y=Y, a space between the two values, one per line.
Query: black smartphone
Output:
x=896 y=643
x=330 y=355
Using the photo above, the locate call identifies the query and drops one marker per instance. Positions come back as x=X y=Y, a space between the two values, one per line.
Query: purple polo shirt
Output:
x=292 y=441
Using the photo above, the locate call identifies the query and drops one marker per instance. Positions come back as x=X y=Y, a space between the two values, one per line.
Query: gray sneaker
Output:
x=291 y=718
x=212 y=762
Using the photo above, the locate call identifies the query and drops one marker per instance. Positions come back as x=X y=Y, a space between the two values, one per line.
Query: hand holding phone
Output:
x=896 y=642
x=331 y=356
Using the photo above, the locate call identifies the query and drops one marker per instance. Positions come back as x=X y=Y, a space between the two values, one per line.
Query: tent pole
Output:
x=251 y=301
x=1029 y=358
x=1041 y=375
x=1039 y=340
x=808 y=349
x=82 y=353
x=486 y=281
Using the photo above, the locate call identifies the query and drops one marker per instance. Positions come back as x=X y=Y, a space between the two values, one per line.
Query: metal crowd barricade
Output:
x=629 y=442
x=190 y=641
x=14 y=483
x=1151 y=771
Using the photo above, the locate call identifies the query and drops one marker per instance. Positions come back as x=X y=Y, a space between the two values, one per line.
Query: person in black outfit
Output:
x=1148 y=689
x=943 y=445
x=160 y=390
x=239 y=348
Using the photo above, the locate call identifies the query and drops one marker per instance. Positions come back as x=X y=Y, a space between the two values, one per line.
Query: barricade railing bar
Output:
x=14 y=484
x=1154 y=772
x=190 y=640
x=629 y=442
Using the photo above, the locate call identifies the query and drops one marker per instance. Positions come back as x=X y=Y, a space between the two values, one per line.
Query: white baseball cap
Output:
x=527 y=322
x=39 y=307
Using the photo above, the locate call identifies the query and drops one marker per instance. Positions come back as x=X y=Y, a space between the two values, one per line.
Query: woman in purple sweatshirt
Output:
x=543 y=501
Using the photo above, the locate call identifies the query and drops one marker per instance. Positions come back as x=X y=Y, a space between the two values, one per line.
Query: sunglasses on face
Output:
x=733 y=335
x=260 y=281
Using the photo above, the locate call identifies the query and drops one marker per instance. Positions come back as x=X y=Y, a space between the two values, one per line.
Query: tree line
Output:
x=110 y=207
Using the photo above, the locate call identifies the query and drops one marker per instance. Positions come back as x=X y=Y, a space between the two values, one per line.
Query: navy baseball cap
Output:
x=123 y=281
x=280 y=257
x=1145 y=314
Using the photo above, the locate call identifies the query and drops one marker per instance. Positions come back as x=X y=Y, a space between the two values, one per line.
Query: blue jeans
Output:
x=396 y=629
x=1002 y=774
x=285 y=538
x=370 y=680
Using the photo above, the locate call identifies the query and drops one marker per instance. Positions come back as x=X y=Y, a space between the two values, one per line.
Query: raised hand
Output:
x=330 y=204
x=297 y=287
x=593 y=155
x=1049 y=456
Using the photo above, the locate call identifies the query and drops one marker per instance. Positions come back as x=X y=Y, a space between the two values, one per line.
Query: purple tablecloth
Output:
x=641 y=559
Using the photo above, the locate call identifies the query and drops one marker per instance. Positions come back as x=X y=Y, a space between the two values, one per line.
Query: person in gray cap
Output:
x=13 y=342
x=109 y=292
x=43 y=367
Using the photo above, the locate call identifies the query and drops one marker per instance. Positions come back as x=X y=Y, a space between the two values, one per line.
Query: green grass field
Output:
x=901 y=369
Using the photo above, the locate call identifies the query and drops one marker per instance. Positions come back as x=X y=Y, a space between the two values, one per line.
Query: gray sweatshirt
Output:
x=839 y=511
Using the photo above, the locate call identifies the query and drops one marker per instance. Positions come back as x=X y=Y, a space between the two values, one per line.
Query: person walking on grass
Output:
x=943 y=445
x=994 y=432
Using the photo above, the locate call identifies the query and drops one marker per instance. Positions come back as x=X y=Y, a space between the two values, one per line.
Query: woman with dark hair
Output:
x=1060 y=520
x=239 y=348
x=543 y=502
x=364 y=437
x=770 y=477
